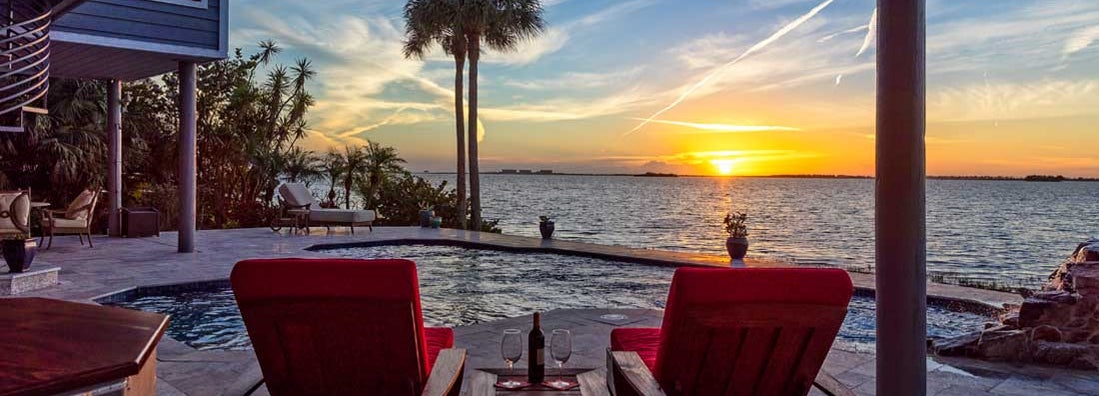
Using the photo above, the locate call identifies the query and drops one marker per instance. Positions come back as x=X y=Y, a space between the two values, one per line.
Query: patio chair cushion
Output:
x=15 y=208
x=341 y=215
x=77 y=209
x=297 y=194
x=59 y=223
x=438 y=339
x=644 y=341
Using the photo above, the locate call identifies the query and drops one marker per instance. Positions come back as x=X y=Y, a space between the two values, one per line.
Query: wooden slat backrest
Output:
x=747 y=348
x=330 y=346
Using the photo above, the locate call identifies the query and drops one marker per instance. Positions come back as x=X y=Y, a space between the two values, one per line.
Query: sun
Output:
x=724 y=167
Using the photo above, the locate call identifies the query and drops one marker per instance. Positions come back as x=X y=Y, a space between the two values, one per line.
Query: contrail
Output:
x=755 y=48
x=871 y=33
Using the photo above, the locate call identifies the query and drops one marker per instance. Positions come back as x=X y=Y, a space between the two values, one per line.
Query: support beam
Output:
x=188 y=157
x=900 y=201
x=114 y=175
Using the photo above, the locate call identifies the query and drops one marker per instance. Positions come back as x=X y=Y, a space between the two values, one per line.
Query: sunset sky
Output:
x=747 y=87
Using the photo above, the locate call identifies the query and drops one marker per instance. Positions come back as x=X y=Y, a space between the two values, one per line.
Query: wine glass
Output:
x=511 y=349
x=561 y=350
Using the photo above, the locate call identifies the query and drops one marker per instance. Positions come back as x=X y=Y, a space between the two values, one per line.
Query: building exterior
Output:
x=115 y=41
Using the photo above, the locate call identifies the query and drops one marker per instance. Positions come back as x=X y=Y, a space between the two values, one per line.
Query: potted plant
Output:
x=19 y=252
x=546 y=227
x=427 y=214
x=736 y=224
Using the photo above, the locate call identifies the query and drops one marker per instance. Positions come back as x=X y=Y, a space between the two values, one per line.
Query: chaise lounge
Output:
x=344 y=327
x=736 y=332
x=297 y=196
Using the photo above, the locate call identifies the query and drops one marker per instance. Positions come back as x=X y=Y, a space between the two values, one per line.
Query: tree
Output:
x=333 y=166
x=354 y=162
x=501 y=25
x=380 y=162
x=429 y=22
x=300 y=166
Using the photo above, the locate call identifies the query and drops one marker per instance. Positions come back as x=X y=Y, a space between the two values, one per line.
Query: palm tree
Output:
x=501 y=25
x=428 y=22
x=300 y=166
x=354 y=162
x=380 y=161
x=333 y=166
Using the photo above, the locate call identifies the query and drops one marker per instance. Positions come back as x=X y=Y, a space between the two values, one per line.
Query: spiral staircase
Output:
x=24 y=61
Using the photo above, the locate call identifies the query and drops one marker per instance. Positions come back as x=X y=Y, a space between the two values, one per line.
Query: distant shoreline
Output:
x=1032 y=178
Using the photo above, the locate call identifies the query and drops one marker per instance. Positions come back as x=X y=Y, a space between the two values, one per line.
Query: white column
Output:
x=114 y=131
x=900 y=207
x=188 y=193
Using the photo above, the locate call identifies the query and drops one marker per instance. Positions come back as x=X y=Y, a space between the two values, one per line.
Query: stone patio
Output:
x=117 y=264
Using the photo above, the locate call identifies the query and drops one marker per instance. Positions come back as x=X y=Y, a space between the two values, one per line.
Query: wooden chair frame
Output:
x=49 y=223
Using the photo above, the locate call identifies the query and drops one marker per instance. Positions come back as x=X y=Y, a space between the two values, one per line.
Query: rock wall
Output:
x=1057 y=325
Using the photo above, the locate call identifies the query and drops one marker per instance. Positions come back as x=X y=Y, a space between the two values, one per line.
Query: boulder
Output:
x=963 y=345
x=1045 y=333
x=1002 y=345
x=1059 y=353
x=1085 y=280
x=1033 y=310
x=1059 y=296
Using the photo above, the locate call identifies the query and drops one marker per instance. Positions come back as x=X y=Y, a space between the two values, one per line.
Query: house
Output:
x=114 y=41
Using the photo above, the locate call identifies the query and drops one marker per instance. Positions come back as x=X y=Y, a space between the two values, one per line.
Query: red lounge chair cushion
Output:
x=438 y=339
x=644 y=341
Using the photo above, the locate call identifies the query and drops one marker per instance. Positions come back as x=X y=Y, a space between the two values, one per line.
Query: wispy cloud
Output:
x=577 y=80
x=753 y=49
x=1080 y=40
x=723 y=128
x=871 y=33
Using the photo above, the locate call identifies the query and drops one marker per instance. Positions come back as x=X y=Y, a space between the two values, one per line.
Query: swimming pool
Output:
x=460 y=286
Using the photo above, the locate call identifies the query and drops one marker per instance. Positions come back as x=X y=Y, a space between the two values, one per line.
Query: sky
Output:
x=738 y=87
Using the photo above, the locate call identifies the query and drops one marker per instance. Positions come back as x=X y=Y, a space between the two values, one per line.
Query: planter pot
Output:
x=436 y=222
x=19 y=254
x=425 y=218
x=547 y=229
x=737 y=247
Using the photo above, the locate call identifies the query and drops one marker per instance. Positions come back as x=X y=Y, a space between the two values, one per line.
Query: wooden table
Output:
x=51 y=346
x=593 y=382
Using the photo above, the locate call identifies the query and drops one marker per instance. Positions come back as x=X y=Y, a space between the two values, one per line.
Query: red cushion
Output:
x=644 y=341
x=438 y=339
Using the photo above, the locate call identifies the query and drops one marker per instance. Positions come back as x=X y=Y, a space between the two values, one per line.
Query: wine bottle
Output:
x=536 y=367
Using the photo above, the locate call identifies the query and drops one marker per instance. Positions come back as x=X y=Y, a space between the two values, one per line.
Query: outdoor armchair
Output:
x=75 y=219
x=736 y=332
x=15 y=212
x=344 y=327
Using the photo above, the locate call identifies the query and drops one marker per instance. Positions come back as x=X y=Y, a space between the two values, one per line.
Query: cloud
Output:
x=577 y=80
x=723 y=128
x=1014 y=100
x=1080 y=40
x=871 y=33
x=753 y=49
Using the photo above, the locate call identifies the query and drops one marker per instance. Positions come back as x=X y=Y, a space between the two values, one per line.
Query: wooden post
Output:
x=114 y=131
x=188 y=193
x=900 y=201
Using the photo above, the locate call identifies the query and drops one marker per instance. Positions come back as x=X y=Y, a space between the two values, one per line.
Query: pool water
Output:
x=467 y=286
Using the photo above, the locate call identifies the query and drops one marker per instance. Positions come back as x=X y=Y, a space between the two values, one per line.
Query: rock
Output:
x=1032 y=311
x=963 y=345
x=1059 y=296
x=1011 y=321
x=1059 y=353
x=1085 y=280
x=1002 y=345
x=1087 y=251
x=1045 y=333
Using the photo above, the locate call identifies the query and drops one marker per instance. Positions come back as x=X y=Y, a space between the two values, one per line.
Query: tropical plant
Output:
x=301 y=166
x=380 y=162
x=333 y=165
x=736 y=224
x=501 y=25
x=355 y=163
x=429 y=22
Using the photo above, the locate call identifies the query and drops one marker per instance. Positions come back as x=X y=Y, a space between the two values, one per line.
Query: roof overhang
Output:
x=76 y=55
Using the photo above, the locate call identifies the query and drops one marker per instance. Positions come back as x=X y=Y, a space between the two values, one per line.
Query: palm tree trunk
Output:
x=474 y=43
x=459 y=122
x=347 y=192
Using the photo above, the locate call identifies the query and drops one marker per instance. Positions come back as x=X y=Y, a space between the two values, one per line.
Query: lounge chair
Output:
x=297 y=196
x=344 y=327
x=75 y=219
x=736 y=332
x=15 y=213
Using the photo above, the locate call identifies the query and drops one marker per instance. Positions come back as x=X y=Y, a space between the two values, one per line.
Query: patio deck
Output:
x=118 y=264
